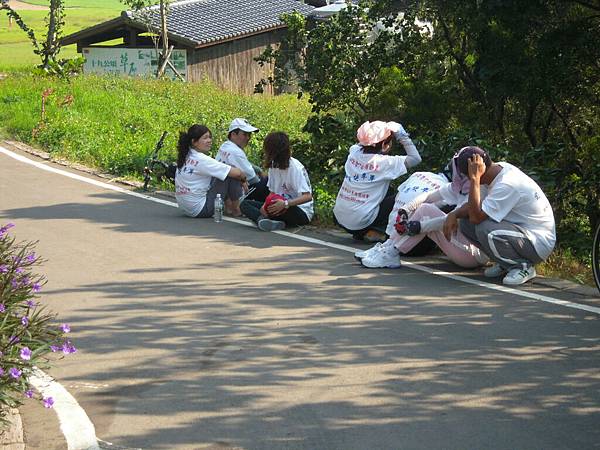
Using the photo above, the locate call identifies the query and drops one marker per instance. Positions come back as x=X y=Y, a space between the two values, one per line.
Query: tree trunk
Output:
x=52 y=31
x=165 y=38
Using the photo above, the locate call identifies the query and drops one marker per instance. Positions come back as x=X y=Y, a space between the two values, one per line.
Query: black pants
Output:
x=380 y=222
x=293 y=217
x=261 y=190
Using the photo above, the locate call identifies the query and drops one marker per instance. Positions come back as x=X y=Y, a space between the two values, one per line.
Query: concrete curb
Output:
x=12 y=438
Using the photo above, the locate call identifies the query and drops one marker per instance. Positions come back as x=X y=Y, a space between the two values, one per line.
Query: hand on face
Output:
x=476 y=167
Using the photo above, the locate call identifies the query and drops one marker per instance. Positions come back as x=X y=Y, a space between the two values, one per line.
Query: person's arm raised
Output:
x=412 y=154
x=476 y=170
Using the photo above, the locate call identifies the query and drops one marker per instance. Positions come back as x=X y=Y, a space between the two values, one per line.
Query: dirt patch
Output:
x=17 y=5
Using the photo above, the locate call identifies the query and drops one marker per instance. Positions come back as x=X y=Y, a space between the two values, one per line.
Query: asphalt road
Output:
x=193 y=334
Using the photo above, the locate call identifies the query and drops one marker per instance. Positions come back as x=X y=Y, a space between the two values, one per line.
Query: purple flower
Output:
x=36 y=287
x=68 y=348
x=1 y=372
x=29 y=393
x=19 y=270
x=54 y=348
x=2 y=308
x=30 y=258
x=14 y=283
x=31 y=303
x=3 y=268
x=25 y=321
x=48 y=402
x=14 y=340
x=25 y=353
x=5 y=228
x=14 y=372
x=65 y=328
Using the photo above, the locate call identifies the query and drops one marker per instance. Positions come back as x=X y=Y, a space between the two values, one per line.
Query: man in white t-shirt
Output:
x=513 y=223
x=232 y=153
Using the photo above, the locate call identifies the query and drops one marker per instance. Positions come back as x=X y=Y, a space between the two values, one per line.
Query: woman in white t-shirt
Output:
x=363 y=203
x=194 y=188
x=290 y=202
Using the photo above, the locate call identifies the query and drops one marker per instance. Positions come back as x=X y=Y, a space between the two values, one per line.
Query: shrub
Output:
x=27 y=332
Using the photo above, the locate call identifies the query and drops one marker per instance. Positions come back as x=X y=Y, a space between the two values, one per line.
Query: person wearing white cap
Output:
x=232 y=153
x=363 y=204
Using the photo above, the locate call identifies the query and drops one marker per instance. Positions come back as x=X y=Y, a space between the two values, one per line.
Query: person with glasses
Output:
x=232 y=153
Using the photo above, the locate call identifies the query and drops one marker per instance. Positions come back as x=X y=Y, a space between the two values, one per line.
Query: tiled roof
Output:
x=205 y=21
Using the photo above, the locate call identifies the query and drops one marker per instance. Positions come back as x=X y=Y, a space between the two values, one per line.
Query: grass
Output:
x=16 y=51
x=113 y=123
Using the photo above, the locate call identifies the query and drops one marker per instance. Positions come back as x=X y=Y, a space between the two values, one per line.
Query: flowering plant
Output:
x=28 y=333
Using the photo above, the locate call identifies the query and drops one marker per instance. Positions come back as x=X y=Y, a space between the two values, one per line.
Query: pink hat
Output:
x=371 y=133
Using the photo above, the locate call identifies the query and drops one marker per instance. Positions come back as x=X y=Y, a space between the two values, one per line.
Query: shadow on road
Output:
x=319 y=353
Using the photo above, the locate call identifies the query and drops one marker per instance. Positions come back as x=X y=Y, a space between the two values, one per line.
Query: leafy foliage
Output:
x=520 y=78
x=27 y=331
x=49 y=49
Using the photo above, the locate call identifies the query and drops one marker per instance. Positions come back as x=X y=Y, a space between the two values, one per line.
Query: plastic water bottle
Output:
x=218 y=216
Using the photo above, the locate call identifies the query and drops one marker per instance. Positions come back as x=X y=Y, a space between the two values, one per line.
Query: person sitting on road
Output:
x=512 y=223
x=232 y=153
x=422 y=218
x=195 y=189
x=290 y=202
x=363 y=204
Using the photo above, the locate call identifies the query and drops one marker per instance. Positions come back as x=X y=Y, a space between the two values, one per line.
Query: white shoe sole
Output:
x=519 y=281
x=270 y=225
x=365 y=262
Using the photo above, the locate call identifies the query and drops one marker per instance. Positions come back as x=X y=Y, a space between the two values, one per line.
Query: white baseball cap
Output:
x=241 y=124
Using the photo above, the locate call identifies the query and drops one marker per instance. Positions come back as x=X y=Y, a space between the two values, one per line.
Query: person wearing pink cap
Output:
x=363 y=203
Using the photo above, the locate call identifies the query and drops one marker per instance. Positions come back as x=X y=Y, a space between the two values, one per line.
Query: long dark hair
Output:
x=185 y=142
x=276 y=148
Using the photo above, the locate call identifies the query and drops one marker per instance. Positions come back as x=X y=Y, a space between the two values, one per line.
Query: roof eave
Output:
x=95 y=29
x=239 y=36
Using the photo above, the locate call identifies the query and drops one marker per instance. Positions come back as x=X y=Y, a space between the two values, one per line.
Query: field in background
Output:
x=16 y=51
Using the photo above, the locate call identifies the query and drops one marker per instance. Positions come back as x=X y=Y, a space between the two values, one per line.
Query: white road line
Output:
x=494 y=287
x=74 y=422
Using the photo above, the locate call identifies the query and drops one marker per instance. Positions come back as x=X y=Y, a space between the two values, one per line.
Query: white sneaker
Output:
x=270 y=225
x=494 y=271
x=519 y=276
x=360 y=254
x=387 y=257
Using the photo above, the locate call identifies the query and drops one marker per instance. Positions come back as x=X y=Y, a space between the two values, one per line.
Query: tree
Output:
x=160 y=35
x=50 y=48
x=523 y=77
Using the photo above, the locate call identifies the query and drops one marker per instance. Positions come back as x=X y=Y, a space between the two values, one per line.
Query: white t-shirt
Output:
x=192 y=181
x=419 y=183
x=291 y=183
x=232 y=155
x=367 y=180
x=515 y=197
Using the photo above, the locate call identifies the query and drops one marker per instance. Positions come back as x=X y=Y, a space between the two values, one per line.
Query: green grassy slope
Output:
x=16 y=51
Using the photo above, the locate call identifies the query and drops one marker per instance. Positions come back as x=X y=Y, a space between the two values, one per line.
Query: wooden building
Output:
x=218 y=38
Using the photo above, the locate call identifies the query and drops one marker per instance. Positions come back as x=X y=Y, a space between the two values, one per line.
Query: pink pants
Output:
x=459 y=250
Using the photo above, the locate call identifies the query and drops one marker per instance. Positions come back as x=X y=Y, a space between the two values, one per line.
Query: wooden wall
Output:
x=231 y=64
